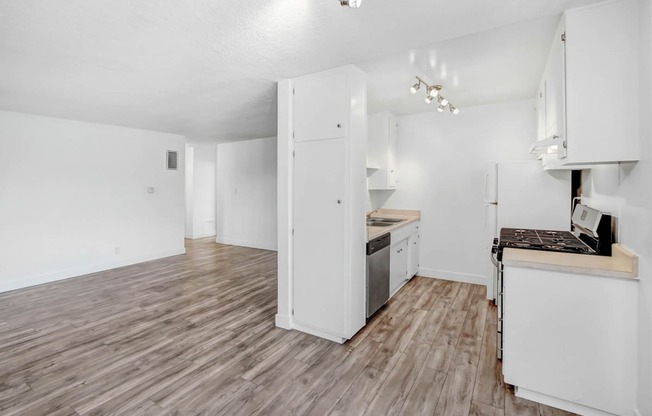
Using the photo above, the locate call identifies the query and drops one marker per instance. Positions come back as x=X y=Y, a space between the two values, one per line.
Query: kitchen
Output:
x=538 y=194
x=441 y=162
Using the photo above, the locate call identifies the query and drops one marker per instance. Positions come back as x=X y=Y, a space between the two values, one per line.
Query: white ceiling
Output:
x=497 y=65
x=207 y=68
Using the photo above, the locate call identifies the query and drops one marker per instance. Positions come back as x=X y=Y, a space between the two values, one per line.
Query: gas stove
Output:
x=593 y=235
x=548 y=240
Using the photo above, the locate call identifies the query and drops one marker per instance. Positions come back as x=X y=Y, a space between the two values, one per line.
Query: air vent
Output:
x=172 y=160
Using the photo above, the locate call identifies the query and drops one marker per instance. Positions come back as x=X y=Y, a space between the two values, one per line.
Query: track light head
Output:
x=454 y=109
x=415 y=88
x=440 y=108
x=351 y=3
x=433 y=91
x=442 y=101
x=428 y=99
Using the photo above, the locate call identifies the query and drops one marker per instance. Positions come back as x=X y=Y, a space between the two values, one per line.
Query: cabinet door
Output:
x=556 y=90
x=392 y=154
x=319 y=229
x=320 y=110
x=413 y=250
x=398 y=265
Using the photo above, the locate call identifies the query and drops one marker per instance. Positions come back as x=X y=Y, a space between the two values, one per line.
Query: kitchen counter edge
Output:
x=409 y=216
x=622 y=263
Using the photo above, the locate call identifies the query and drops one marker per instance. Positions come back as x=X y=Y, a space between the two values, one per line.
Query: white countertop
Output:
x=408 y=215
x=622 y=263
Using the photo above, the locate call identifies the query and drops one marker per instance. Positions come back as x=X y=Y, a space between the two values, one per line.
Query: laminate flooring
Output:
x=195 y=335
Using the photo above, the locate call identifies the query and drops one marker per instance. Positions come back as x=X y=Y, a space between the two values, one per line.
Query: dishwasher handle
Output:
x=379 y=243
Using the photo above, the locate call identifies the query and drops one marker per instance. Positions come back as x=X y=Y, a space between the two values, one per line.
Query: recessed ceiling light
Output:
x=351 y=3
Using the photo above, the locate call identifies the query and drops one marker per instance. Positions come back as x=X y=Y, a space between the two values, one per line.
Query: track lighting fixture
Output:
x=351 y=3
x=432 y=92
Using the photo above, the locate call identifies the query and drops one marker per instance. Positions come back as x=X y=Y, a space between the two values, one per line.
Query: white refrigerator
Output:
x=523 y=195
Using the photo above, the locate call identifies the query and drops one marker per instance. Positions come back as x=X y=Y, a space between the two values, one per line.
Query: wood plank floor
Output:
x=195 y=335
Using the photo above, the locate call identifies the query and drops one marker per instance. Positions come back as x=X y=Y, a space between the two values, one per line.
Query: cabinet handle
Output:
x=339 y=126
x=339 y=201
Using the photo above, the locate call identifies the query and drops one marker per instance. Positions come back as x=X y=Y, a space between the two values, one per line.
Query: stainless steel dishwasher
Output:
x=377 y=272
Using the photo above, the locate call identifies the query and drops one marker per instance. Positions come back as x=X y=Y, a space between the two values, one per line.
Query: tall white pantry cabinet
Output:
x=322 y=133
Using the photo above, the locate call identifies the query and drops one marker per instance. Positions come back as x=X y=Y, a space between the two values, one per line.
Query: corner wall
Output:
x=246 y=193
x=74 y=198
x=442 y=161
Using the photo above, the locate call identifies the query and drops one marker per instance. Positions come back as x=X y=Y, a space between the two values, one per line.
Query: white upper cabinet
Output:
x=382 y=146
x=589 y=88
x=602 y=82
x=320 y=107
x=555 y=89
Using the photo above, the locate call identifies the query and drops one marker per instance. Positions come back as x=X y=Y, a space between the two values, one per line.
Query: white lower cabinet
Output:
x=398 y=271
x=413 y=250
x=404 y=258
x=569 y=340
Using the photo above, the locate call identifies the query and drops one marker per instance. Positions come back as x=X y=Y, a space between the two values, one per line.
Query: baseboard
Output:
x=318 y=333
x=201 y=235
x=454 y=276
x=67 y=274
x=559 y=403
x=251 y=244
x=283 y=321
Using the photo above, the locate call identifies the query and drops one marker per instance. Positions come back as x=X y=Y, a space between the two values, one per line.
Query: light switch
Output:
x=150 y=190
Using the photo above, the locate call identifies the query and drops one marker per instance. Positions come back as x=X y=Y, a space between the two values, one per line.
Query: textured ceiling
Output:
x=207 y=68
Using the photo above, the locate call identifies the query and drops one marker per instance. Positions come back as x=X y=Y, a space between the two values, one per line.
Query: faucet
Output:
x=371 y=213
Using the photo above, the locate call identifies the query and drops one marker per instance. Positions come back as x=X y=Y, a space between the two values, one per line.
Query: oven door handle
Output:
x=493 y=259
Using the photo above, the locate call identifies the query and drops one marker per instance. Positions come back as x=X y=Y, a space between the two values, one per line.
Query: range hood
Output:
x=550 y=145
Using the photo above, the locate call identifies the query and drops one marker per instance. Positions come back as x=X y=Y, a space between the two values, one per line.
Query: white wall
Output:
x=442 y=160
x=626 y=191
x=189 y=190
x=200 y=190
x=74 y=200
x=246 y=193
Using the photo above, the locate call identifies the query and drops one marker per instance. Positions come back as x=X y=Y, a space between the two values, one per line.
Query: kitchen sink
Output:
x=380 y=223
x=381 y=219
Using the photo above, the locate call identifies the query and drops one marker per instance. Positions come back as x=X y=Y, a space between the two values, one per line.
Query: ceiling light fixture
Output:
x=432 y=92
x=351 y=3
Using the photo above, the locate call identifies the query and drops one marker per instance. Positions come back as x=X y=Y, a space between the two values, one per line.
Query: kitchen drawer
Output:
x=404 y=231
